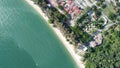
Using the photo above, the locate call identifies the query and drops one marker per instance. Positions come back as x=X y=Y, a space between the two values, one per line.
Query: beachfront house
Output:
x=97 y=40
x=82 y=47
x=71 y=8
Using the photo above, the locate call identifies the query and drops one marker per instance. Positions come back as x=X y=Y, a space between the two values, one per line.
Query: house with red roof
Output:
x=62 y=3
x=71 y=8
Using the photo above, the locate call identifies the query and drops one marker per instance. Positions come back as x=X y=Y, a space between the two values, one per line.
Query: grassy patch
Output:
x=109 y=9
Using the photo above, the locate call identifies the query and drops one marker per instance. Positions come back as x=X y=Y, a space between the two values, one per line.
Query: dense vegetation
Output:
x=103 y=56
x=85 y=19
x=73 y=34
x=108 y=54
x=82 y=36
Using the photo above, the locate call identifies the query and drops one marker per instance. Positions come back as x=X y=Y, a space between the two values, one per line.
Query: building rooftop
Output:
x=71 y=8
x=92 y=44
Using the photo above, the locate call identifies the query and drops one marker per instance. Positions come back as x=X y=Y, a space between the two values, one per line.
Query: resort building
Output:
x=92 y=15
x=71 y=8
x=97 y=40
x=92 y=44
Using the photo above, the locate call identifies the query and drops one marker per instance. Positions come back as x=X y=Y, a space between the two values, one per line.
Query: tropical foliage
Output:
x=108 y=54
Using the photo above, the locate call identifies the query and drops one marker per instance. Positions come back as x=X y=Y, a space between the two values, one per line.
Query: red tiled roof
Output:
x=69 y=1
x=70 y=12
x=77 y=12
x=75 y=7
x=67 y=9
x=71 y=8
x=72 y=4
x=62 y=3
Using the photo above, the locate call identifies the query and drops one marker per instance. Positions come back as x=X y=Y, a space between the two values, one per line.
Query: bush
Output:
x=112 y=16
x=104 y=6
x=106 y=55
x=60 y=7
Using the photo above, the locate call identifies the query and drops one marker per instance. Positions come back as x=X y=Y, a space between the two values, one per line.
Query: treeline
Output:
x=108 y=54
x=74 y=35
x=85 y=19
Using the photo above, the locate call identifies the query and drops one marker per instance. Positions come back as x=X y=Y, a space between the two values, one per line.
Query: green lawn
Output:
x=109 y=9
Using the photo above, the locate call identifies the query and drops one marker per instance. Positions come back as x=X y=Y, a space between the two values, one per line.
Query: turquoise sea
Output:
x=26 y=40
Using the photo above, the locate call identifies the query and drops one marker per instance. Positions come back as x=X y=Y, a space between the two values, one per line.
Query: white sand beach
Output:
x=69 y=47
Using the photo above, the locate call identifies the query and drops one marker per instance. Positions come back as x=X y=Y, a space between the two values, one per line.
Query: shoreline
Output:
x=67 y=45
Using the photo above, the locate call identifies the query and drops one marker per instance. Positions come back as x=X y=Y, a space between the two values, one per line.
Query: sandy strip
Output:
x=59 y=34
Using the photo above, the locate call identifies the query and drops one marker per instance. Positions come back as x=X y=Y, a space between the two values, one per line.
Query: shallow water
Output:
x=31 y=42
